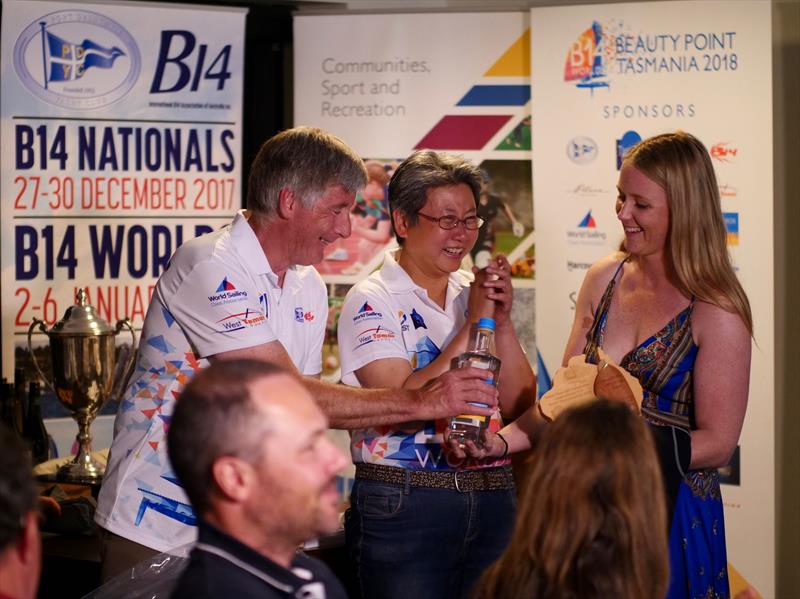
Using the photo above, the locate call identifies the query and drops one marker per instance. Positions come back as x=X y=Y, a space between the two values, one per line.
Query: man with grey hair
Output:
x=247 y=291
x=249 y=445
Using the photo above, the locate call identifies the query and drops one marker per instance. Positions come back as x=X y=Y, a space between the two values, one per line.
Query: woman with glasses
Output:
x=402 y=327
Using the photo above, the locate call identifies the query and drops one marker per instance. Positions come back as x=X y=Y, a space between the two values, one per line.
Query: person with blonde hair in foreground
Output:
x=591 y=520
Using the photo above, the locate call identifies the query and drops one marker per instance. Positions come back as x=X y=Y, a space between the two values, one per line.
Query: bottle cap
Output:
x=486 y=323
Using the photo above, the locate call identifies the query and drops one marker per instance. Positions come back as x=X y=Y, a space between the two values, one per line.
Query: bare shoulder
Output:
x=601 y=272
x=711 y=323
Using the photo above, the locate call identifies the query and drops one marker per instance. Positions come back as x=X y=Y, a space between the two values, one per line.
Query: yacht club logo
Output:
x=582 y=150
x=77 y=59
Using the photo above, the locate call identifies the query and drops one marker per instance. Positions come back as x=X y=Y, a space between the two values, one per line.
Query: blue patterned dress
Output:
x=663 y=364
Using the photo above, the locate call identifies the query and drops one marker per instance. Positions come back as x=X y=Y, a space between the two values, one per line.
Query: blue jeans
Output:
x=419 y=543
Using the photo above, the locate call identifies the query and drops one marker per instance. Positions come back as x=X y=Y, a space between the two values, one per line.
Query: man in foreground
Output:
x=249 y=445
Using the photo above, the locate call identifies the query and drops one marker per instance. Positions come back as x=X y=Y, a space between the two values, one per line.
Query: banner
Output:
x=390 y=84
x=121 y=128
x=607 y=76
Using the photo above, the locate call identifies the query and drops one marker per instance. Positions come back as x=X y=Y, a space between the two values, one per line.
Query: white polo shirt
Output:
x=387 y=315
x=218 y=294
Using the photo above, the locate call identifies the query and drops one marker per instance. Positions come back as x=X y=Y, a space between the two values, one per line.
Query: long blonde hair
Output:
x=592 y=522
x=698 y=262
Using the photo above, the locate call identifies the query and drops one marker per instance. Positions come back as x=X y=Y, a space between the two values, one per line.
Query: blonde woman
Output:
x=670 y=310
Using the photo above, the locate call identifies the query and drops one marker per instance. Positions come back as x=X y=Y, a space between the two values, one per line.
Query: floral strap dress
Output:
x=663 y=363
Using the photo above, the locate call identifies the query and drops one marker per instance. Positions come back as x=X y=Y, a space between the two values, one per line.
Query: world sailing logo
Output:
x=587 y=60
x=77 y=59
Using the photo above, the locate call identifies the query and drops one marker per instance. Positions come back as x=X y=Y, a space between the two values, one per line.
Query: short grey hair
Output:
x=306 y=160
x=424 y=169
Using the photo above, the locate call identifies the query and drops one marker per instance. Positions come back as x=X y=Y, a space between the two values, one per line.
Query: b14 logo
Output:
x=178 y=65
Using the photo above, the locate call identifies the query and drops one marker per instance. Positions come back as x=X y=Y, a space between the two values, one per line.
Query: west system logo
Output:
x=606 y=50
x=371 y=335
x=586 y=232
x=77 y=59
x=237 y=322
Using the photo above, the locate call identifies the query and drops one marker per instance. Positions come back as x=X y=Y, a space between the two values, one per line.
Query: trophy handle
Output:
x=40 y=323
x=126 y=372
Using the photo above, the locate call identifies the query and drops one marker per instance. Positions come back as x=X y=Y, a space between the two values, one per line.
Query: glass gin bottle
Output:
x=468 y=427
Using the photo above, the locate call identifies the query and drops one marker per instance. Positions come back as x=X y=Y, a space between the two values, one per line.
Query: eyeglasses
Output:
x=448 y=221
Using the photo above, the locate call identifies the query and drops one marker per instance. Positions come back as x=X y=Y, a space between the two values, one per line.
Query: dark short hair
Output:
x=408 y=188
x=17 y=489
x=215 y=417
x=306 y=160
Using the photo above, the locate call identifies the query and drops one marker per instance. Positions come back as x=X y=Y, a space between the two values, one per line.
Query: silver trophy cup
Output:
x=82 y=348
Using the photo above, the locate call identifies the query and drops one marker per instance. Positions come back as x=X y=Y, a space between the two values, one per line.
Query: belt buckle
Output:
x=455 y=479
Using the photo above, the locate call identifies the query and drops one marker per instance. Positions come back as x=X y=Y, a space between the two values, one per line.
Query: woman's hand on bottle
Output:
x=499 y=290
x=491 y=447
x=480 y=304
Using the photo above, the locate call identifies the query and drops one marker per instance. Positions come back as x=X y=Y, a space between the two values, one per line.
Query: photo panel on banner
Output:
x=608 y=76
x=122 y=131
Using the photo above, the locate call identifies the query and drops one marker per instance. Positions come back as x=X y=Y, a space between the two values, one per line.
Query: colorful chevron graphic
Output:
x=466 y=130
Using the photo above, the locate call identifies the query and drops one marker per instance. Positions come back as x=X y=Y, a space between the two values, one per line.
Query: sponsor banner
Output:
x=607 y=76
x=122 y=139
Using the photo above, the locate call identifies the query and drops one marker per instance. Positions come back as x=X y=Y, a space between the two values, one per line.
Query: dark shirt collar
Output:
x=226 y=547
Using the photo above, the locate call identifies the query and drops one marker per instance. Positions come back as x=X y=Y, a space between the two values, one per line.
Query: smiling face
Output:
x=325 y=222
x=296 y=497
x=643 y=210
x=427 y=247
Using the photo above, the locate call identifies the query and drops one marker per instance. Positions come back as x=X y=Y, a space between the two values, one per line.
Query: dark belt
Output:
x=475 y=479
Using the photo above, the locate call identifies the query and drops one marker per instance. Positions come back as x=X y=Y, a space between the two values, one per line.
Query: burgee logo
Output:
x=77 y=59
x=582 y=150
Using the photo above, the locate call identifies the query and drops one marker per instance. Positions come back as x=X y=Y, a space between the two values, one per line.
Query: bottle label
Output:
x=480 y=365
x=472 y=419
